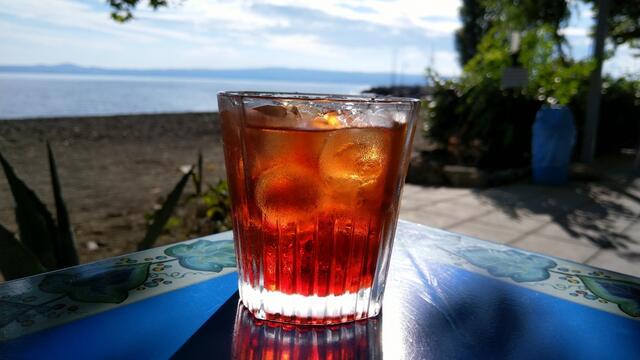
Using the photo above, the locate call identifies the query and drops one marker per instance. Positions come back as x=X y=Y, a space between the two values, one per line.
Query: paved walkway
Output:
x=593 y=223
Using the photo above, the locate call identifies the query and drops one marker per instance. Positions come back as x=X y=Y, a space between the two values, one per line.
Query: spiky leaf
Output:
x=161 y=216
x=65 y=247
x=16 y=260
x=199 y=187
x=35 y=223
x=196 y=176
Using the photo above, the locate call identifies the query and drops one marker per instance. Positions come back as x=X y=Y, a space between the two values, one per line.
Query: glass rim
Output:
x=318 y=97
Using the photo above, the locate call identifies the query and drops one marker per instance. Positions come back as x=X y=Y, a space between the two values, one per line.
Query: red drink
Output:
x=315 y=205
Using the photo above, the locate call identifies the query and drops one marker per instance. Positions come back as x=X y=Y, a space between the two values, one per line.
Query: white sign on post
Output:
x=514 y=77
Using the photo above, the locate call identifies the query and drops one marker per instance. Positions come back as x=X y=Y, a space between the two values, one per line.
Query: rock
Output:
x=422 y=171
x=469 y=176
x=465 y=176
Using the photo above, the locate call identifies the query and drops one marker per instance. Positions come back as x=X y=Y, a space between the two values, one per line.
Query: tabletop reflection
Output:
x=256 y=339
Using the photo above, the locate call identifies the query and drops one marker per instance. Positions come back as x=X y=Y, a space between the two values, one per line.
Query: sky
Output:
x=401 y=36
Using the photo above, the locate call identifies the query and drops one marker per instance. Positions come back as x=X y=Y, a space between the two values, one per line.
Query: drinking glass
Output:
x=315 y=182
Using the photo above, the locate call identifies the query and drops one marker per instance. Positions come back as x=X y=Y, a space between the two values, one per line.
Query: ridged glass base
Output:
x=308 y=310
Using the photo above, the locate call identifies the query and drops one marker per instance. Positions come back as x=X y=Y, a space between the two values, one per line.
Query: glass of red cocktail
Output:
x=315 y=183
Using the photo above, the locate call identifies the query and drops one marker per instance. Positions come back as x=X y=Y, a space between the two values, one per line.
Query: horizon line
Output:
x=266 y=68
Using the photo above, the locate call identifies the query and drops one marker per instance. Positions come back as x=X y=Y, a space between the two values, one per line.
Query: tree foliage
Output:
x=480 y=16
x=552 y=77
x=122 y=10
x=474 y=26
x=478 y=123
x=523 y=15
x=624 y=22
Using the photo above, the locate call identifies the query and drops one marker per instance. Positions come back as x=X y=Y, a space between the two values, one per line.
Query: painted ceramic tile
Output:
x=605 y=290
x=41 y=301
x=46 y=300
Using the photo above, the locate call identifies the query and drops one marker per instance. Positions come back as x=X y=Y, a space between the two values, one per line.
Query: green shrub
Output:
x=201 y=213
x=619 y=125
x=480 y=124
x=483 y=126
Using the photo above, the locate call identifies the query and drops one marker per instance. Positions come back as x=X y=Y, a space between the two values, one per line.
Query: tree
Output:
x=618 y=21
x=474 y=27
x=122 y=10
x=595 y=84
x=522 y=15
x=478 y=16
x=623 y=22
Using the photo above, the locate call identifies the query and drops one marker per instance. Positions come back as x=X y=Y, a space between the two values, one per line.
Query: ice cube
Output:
x=288 y=192
x=272 y=110
x=267 y=148
x=273 y=116
x=311 y=117
x=379 y=117
x=353 y=158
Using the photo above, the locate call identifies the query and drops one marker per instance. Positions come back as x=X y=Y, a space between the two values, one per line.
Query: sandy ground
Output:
x=112 y=169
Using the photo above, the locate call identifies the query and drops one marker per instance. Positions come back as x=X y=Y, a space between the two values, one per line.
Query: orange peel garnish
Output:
x=327 y=121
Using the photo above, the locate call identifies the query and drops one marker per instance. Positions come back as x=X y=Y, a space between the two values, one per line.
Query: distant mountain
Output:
x=273 y=74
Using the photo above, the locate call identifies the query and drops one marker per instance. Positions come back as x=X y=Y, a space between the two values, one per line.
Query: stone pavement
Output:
x=596 y=223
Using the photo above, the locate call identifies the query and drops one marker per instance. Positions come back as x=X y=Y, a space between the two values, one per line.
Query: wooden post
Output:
x=595 y=85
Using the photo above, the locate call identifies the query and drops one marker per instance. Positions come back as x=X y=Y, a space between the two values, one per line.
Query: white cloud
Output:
x=229 y=28
x=415 y=60
x=21 y=33
x=346 y=35
x=446 y=63
x=575 y=31
x=329 y=34
x=234 y=15
x=307 y=44
x=68 y=14
x=625 y=62
x=429 y=15
x=437 y=18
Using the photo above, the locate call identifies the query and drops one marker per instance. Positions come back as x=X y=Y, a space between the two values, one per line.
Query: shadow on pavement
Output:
x=599 y=212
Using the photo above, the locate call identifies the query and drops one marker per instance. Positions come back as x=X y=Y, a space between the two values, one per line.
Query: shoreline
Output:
x=91 y=117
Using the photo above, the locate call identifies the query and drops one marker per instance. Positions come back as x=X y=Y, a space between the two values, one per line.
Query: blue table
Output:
x=448 y=297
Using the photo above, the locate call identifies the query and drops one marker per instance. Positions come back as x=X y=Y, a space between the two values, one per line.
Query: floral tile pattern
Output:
x=518 y=266
x=624 y=293
x=97 y=284
x=204 y=255
x=38 y=302
x=605 y=290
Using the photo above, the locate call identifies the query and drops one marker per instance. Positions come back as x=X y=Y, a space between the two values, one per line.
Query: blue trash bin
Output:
x=553 y=137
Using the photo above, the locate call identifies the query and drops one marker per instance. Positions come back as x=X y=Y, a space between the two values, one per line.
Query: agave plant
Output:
x=46 y=243
x=162 y=215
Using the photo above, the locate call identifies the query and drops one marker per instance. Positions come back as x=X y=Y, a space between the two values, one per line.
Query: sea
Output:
x=56 y=95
